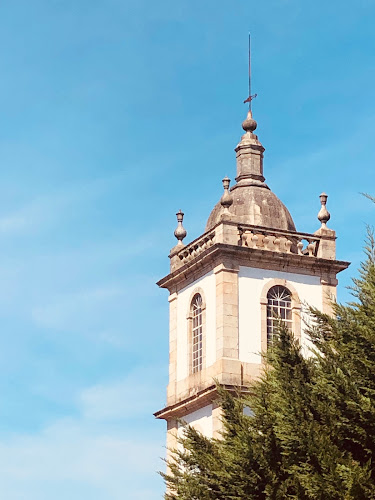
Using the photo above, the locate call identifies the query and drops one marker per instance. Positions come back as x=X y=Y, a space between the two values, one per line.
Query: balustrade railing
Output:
x=255 y=237
x=278 y=241
x=196 y=247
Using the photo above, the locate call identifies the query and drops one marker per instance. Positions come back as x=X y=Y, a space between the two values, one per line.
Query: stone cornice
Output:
x=250 y=257
x=198 y=400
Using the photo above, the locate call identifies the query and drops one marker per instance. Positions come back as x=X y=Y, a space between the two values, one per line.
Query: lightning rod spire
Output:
x=251 y=97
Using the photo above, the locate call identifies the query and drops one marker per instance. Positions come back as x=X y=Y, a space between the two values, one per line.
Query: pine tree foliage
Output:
x=311 y=432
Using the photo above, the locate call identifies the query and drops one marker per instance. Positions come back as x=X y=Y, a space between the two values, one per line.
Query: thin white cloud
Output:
x=136 y=395
x=338 y=150
x=76 y=308
x=95 y=313
x=89 y=455
x=42 y=210
x=100 y=465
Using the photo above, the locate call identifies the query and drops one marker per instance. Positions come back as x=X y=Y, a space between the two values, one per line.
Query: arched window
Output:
x=197 y=333
x=279 y=306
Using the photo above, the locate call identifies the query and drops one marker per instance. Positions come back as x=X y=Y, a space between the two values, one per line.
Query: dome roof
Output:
x=250 y=200
x=257 y=206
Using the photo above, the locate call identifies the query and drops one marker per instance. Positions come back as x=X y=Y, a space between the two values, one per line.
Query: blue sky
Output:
x=115 y=114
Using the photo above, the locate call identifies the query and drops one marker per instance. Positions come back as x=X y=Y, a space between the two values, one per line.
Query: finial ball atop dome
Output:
x=249 y=125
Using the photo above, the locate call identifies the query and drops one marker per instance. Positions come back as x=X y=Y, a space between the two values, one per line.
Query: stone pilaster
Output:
x=217 y=424
x=327 y=243
x=329 y=293
x=171 y=392
x=172 y=441
x=226 y=311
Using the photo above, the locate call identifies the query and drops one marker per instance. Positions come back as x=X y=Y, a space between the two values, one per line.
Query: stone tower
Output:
x=227 y=285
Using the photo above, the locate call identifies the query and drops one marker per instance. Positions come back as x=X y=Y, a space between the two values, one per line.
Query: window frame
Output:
x=296 y=310
x=279 y=307
x=190 y=318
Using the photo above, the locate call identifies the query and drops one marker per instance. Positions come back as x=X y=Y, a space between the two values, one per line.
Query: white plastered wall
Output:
x=207 y=285
x=251 y=282
x=201 y=420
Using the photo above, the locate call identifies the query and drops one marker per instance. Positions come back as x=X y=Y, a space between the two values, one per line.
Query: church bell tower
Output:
x=226 y=287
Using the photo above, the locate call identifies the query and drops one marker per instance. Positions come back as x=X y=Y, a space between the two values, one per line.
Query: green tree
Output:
x=311 y=434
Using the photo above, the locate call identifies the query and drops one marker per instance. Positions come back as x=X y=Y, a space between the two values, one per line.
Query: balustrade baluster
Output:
x=288 y=245
x=300 y=247
x=310 y=248
x=266 y=241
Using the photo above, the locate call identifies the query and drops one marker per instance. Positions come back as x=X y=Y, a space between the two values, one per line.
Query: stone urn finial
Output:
x=323 y=214
x=180 y=231
x=227 y=199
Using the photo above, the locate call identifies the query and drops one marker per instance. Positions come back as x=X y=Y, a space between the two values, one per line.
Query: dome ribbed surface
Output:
x=257 y=206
